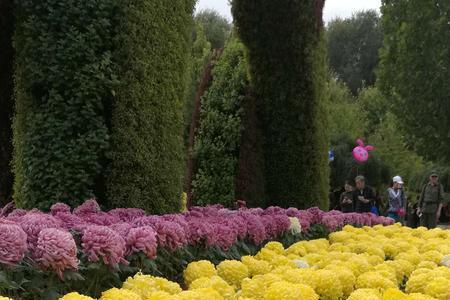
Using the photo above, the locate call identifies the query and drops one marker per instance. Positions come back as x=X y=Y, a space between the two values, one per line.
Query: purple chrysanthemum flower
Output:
x=101 y=242
x=127 y=214
x=59 y=208
x=142 y=239
x=90 y=206
x=13 y=243
x=33 y=223
x=56 y=250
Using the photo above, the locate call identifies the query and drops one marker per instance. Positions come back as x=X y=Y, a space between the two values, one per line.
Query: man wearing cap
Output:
x=363 y=196
x=430 y=202
x=396 y=199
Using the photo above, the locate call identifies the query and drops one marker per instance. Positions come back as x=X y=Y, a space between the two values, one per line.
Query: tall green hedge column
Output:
x=63 y=79
x=147 y=125
x=287 y=67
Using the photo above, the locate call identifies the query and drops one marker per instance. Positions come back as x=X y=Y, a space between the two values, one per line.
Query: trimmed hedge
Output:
x=64 y=77
x=217 y=142
x=6 y=98
x=287 y=67
x=147 y=155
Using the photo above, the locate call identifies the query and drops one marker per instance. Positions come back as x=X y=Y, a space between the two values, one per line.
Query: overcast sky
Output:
x=333 y=8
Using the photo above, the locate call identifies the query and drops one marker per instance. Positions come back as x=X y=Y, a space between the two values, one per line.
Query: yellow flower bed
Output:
x=379 y=263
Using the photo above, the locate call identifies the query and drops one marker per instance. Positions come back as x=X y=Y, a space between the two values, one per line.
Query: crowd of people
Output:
x=427 y=209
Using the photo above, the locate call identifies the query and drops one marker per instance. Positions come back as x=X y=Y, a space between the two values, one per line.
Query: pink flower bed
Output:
x=48 y=238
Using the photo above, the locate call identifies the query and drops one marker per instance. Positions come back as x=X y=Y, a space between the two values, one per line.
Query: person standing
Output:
x=363 y=196
x=346 y=198
x=430 y=203
x=396 y=200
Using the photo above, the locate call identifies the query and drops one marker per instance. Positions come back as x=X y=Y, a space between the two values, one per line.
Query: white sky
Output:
x=333 y=8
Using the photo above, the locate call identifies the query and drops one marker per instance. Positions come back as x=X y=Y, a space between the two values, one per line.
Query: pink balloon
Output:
x=361 y=152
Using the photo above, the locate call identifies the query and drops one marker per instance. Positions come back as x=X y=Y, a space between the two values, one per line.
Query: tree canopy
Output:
x=414 y=72
x=353 y=46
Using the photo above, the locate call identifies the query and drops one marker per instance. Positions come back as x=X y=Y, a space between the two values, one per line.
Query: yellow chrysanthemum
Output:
x=255 y=266
x=439 y=288
x=346 y=277
x=297 y=249
x=195 y=270
x=233 y=272
x=160 y=296
x=206 y=293
x=365 y=294
x=119 y=294
x=394 y=294
x=328 y=285
x=417 y=283
x=374 y=280
x=146 y=285
x=417 y=296
x=216 y=283
x=70 y=296
x=427 y=265
x=433 y=256
x=276 y=247
x=288 y=291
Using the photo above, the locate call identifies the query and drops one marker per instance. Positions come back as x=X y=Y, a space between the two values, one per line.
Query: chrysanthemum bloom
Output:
x=289 y=291
x=205 y=293
x=89 y=206
x=233 y=272
x=13 y=243
x=439 y=288
x=198 y=269
x=102 y=242
x=119 y=294
x=75 y=296
x=56 y=250
x=33 y=223
x=365 y=294
x=142 y=239
x=122 y=228
x=170 y=235
x=256 y=267
x=147 y=285
x=216 y=283
x=127 y=214
x=59 y=208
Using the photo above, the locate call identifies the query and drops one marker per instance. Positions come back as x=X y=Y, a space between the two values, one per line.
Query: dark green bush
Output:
x=287 y=67
x=147 y=156
x=63 y=79
x=217 y=142
x=6 y=98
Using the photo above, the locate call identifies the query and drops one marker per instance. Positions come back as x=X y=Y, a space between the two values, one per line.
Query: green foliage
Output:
x=6 y=98
x=375 y=106
x=346 y=115
x=217 y=142
x=414 y=72
x=200 y=56
x=353 y=46
x=217 y=28
x=63 y=80
x=287 y=67
x=392 y=150
x=147 y=162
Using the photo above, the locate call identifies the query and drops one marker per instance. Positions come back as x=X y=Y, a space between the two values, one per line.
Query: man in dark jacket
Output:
x=430 y=203
x=363 y=196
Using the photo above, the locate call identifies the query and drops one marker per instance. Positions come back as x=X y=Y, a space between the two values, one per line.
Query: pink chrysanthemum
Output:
x=56 y=250
x=13 y=243
x=90 y=206
x=59 y=208
x=142 y=239
x=33 y=223
x=102 y=242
